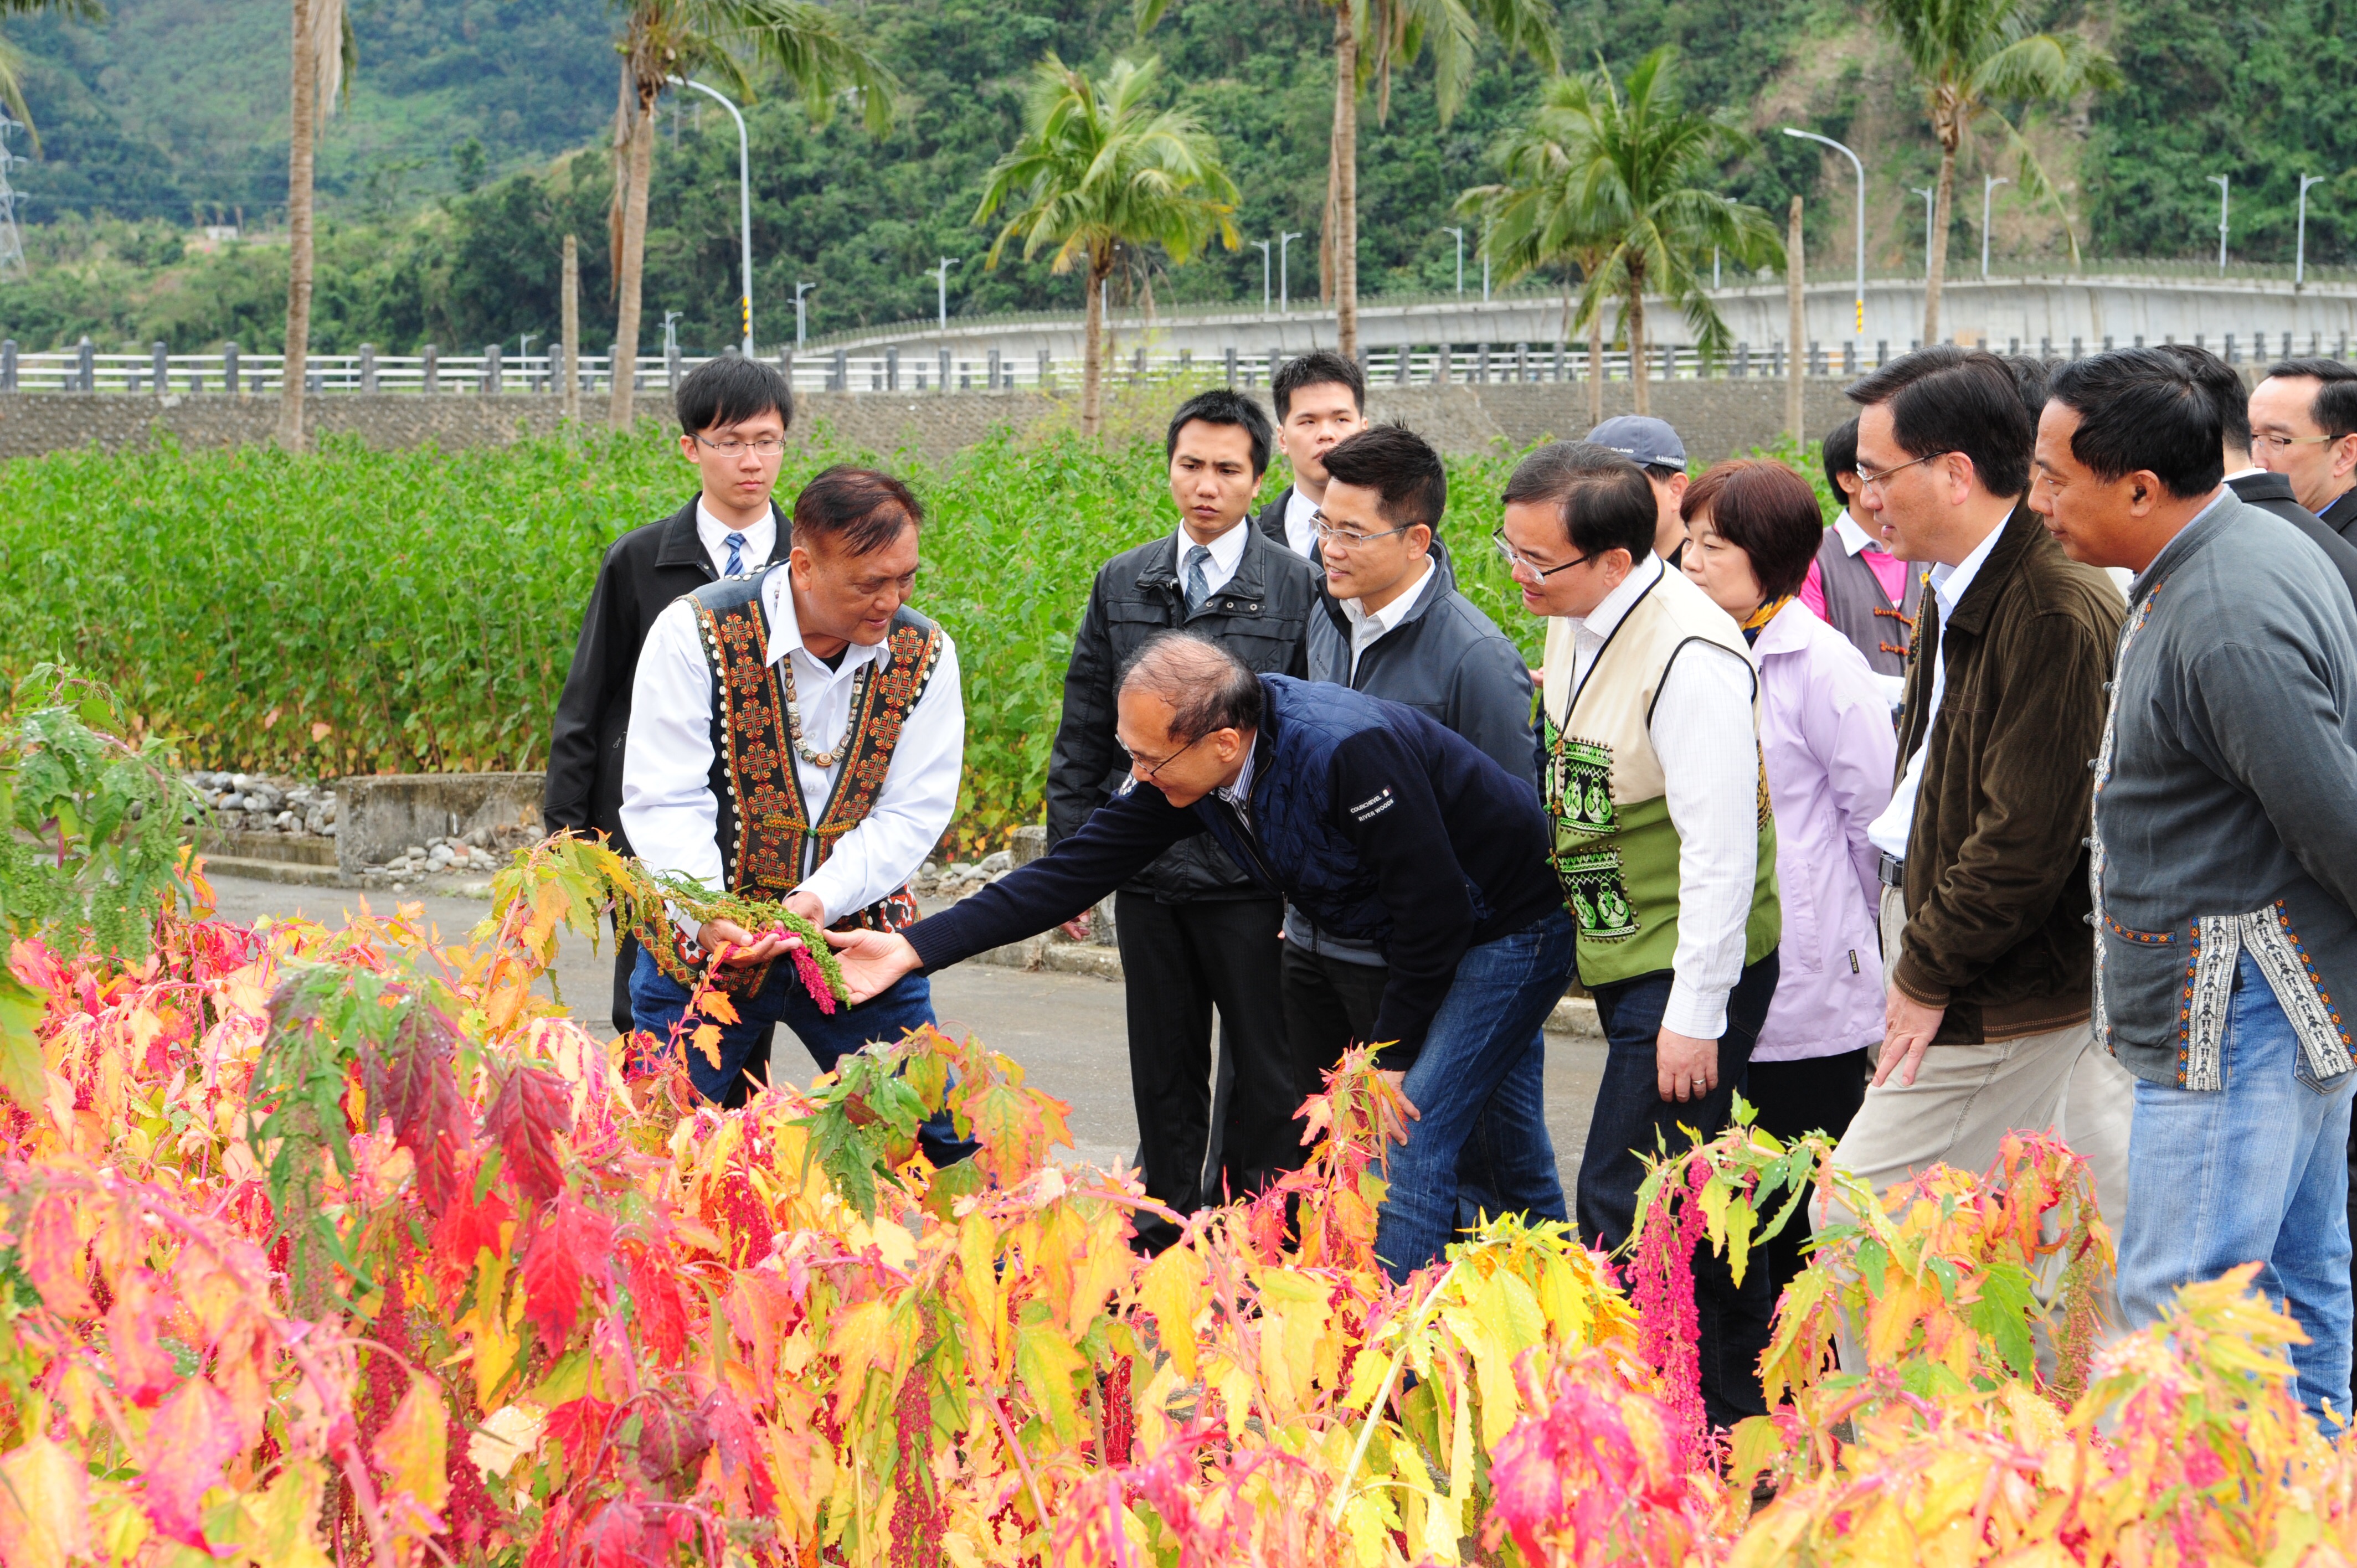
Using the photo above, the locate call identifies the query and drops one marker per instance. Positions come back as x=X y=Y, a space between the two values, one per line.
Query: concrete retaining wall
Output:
x=381 y=815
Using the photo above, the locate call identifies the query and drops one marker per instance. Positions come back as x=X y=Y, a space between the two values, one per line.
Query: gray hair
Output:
x=1207 y=687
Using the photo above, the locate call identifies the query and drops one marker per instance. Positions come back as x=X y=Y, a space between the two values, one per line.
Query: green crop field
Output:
x=357 y=611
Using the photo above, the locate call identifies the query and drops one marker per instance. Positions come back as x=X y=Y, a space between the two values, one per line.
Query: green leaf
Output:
x=22 y=1075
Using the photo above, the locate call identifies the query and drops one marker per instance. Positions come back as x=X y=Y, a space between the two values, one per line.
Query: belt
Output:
x=1892 y=871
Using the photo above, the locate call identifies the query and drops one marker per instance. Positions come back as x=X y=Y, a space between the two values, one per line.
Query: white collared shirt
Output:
x=1367 y=627
x=760 y=538
x=1887 y=833
x=1239 y=794
x=1707 y=740
x=1855 y=538
x=1227 y=553
x=668 y=810
x=1301 y=522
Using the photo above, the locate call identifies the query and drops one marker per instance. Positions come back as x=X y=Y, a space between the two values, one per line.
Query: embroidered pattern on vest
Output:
x=1579 y=792
x=2325 y=1045
x=2100 y=1022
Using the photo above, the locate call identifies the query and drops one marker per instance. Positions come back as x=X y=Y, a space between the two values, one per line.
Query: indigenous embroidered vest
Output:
x=1616 y=850
x=1856 y=606
x=770 y=838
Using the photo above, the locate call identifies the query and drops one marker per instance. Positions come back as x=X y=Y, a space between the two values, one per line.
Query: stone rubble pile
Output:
x=955 y=880
x=260 y=803
x=476 y=854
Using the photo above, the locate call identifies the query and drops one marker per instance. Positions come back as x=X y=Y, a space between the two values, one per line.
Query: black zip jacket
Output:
x=1377 y=823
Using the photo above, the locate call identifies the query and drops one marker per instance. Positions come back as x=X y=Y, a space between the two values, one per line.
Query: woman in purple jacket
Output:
x=1825 y=742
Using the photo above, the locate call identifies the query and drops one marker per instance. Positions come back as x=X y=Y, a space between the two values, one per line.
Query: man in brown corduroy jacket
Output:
x=1986 y=950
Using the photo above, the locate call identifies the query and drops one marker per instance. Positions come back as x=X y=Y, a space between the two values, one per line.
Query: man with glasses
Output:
x=1663 y=846
x=732 y=417
x=1195 y=932
x=1986 y=957
x=1391 y=623
x=1383 y=827
x=2304 y=426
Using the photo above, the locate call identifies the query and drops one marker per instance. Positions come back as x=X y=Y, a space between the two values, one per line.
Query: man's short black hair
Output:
x=729 y=390
x=859 y=509
x=2033 y=379
x=1946 y=398
x=1841 y=455
x=1319 y=367
x=1207 y=686
x=1400 y=467
x=1605 y=500
x=2223 y=384
x=2142 y=409
x=1222 y=405
x=2336 y=398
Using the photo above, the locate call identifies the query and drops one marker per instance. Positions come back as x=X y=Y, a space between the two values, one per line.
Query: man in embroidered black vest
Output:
x=796 y=735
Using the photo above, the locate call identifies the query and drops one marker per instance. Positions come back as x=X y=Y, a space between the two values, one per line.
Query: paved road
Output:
x=1067 y=1030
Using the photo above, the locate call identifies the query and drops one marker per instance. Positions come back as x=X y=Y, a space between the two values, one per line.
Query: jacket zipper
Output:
x=1251 y=843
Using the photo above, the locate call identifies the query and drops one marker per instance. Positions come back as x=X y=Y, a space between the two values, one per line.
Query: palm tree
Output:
x=1634 y=161
x=323 y=56
x=665 y=41
x=1373 y=39
x=1101 y=168
x=1968 y=55
x=12 y=59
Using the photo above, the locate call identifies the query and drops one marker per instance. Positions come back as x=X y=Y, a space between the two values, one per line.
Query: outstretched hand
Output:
x=873 y=961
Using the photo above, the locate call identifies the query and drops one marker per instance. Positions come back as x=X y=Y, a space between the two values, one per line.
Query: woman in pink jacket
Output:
x=1827 y=745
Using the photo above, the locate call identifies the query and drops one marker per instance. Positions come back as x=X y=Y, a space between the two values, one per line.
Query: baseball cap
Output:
x=1644 y=440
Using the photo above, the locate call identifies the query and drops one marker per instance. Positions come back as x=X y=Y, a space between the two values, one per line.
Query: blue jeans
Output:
x=1630 y=1118
x=657 y=1001
x=2251 y=1172
x=1481 y=1078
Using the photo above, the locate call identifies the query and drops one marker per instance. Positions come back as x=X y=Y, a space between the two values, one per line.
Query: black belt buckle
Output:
x=1892 y=871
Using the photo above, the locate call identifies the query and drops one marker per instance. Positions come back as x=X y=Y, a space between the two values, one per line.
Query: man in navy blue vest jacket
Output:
x=1381 y=827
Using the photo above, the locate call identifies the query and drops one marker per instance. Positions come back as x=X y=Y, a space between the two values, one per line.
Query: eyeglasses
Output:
x=2258 y=440
x=760 y=446
x=1873 y=480
x=1516 y=561
x=1329 y=534
x=1157 y=768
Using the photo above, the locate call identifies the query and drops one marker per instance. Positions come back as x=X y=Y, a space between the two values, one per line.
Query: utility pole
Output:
x=1284 y=287
x=1988 y=184
x=2220 y=181
x=571 y=322
x=1859 y=166
x=1485 y=263
x=801 y=320
x=1929 y=194
x=1795 y=287
x=2299 y=267
x=744 y=199
x=12 y=242
x=1460 y=257
x=943 y=269
x=1263 y=245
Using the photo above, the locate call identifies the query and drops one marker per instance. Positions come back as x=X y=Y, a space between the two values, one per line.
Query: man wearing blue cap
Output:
x=1653 y=447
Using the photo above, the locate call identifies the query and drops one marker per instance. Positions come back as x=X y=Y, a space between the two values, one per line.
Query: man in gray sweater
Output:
x=2224 y=861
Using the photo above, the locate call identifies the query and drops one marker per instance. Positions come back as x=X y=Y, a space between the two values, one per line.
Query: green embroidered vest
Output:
x=1616 y=850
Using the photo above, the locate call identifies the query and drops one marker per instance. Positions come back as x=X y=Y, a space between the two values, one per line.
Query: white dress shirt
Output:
x=1704 y=732
x=1301 y=522
x=668 y=810
x=1855 y=538
x=1367 y=629
x=1887 y=833
x=1227 y=553
x=713 y=534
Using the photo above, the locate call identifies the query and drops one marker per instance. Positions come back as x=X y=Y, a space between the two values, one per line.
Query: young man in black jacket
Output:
x=733 y=418
x=1195 y=932
x=1383 y=827
x=1320 y=400
x=1391 y=623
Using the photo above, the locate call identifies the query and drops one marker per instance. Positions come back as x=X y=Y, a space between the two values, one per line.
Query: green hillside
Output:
x=176 y=106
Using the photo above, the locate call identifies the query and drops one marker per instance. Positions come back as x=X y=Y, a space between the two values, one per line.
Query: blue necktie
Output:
x=1199 y=588
x=736 y=543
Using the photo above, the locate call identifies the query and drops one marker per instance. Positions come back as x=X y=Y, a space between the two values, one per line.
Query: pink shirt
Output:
x=1888 y=569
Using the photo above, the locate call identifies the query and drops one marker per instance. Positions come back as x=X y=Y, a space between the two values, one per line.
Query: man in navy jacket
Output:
x=1380 y=826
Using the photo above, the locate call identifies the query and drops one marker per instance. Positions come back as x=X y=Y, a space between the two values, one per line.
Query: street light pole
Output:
x=801 y=320
x=1460 y=258
x=1264 y=297
x=1929 y=194
x=946 y=264
x=2220 y=181
x=744 y=203
x=1988 y=184
x=1485 y=263
x=2299 y=267
x=1855 y=164
x=1284 y=287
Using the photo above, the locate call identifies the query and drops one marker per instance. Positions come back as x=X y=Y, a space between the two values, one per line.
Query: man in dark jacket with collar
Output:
x=733 y=418
x=1391 y=623
x=1195 y=932
x=2304 y=426
x=1383 y=826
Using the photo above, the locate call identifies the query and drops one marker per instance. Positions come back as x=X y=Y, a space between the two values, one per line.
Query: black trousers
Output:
x=1328 y=1005
x=1178 y=962
x=1818 y=1094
